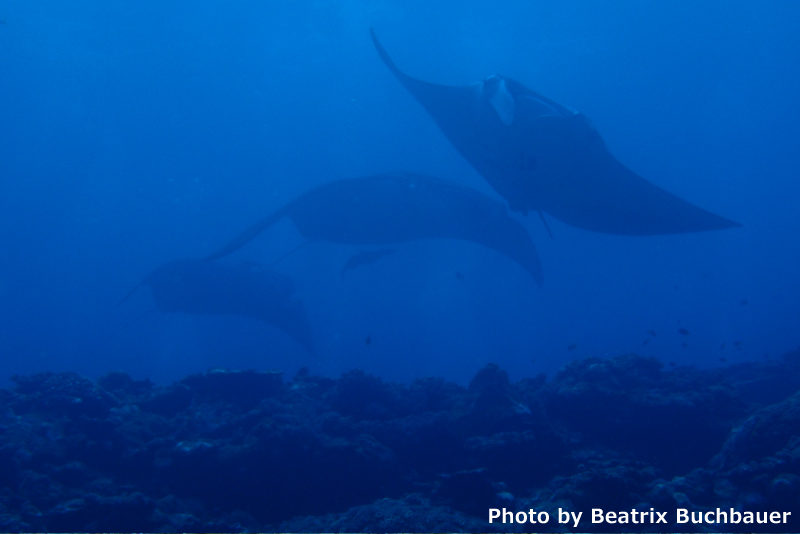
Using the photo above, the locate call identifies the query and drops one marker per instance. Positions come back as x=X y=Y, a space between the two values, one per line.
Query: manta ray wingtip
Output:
x=384 y=54
x=375 y=40
x=374 y=37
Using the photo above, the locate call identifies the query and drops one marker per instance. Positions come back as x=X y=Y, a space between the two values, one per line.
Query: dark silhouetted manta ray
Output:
x=400 y=207
x=542 y=156
x=365 y=257
x=206 y=287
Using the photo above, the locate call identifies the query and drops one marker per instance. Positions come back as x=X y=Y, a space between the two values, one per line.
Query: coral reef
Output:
x=232 y=451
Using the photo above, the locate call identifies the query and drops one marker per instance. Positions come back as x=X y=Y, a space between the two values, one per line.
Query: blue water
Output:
x=136 y=133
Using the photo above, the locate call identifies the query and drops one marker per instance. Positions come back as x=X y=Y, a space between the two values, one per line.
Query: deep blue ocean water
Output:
x=134 y=133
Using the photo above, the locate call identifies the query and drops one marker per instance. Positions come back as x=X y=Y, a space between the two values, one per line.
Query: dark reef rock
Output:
x=762 y=434
x=629 y=405
x=766 y=382
x=233 y=451
x=411 y=514
x=245 y=389
x=494 y=405
x=64 y=393
x=608 y=484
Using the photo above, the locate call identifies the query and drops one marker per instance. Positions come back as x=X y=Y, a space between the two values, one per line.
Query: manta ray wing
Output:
x=568 y=171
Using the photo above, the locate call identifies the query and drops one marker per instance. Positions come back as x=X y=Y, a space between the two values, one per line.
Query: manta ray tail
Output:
x=245 y=237
x=129 y=294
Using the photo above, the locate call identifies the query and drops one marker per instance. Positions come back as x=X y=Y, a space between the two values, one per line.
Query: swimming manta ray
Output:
x=399 y=207
x=542 y=156
x=365 y=257
x=206 y=287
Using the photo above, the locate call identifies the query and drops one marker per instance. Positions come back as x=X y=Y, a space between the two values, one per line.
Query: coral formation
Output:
x=243 y=450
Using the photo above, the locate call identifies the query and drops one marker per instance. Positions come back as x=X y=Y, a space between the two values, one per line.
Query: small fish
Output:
x=572 y=347
x=684 y=345
x=652 y=333
x=723 y=360
x=744 y=302
x=673 y=364
x=459 y=275
x=368 y=340
x=683 y=331
x=646 y=342
x=738 y=345
x=722 y=346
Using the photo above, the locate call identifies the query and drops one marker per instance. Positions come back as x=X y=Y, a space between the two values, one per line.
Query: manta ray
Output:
x=544 y=157
x=399 y=207
x=206 y=287
x=365 y=257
